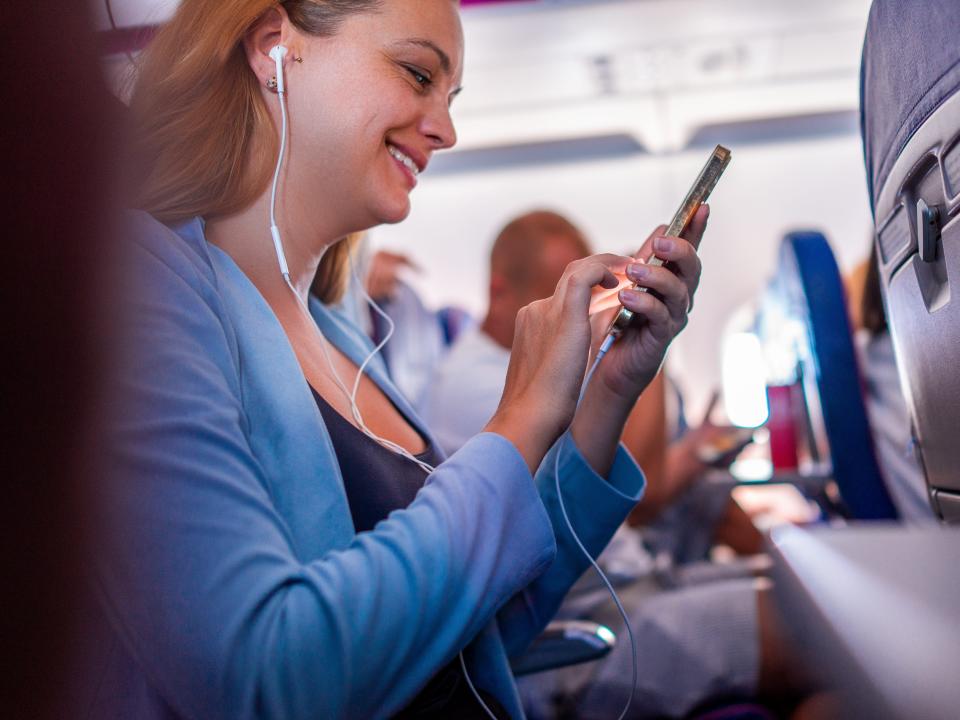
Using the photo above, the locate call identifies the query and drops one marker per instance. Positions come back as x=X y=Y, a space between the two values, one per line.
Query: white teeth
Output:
x=405 y=159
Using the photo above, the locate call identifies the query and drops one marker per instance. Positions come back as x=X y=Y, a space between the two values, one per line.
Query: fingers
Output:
x=671 y=288
x=682 y=258
x=646 y=250
x=659 y=322
x=681 y=253
x=581 y=276
x=609 y=281
x=603 y=301
x=611 y=261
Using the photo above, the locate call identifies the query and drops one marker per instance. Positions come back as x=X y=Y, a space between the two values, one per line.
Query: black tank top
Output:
x=377 y=482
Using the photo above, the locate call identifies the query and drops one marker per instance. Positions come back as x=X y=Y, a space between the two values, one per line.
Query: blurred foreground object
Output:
x=54 y=184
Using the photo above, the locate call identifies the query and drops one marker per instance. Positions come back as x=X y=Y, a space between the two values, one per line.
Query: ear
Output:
x=272 y=29
x=498 y=286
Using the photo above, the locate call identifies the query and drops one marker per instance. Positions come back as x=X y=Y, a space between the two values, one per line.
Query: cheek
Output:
x=324 y=109
x=323 y=144
x=338 y=139
x=352 y=133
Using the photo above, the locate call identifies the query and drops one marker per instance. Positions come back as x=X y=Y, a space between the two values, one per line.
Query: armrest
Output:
x=566 y=642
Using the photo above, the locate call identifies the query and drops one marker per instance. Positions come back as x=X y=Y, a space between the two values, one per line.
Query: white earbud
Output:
x=278 y=53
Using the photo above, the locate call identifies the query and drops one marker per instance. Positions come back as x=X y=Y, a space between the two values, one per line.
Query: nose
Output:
x=438 y=126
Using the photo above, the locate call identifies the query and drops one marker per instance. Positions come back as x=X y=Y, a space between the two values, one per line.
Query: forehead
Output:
x=431 y=26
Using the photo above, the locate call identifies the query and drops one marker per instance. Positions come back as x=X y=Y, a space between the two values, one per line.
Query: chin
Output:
x=394 y=213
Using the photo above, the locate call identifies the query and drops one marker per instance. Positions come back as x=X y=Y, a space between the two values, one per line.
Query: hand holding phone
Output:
x=697 y=195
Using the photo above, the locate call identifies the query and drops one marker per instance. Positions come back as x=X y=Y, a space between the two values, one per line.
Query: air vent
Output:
x=895 y=236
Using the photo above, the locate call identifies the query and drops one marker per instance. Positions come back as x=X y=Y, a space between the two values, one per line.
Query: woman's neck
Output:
x=245 y=237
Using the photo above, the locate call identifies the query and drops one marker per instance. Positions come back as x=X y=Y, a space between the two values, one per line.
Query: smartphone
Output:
x=697 y=195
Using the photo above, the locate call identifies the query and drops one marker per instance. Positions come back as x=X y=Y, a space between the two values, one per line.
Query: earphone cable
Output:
x=608 y=341
x=274 y=230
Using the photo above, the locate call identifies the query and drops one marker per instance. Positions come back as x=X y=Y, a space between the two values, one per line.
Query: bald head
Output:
x=526 y=263
x=531 y=252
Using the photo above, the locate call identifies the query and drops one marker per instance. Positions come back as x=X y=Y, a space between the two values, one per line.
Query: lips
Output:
x=412 y=162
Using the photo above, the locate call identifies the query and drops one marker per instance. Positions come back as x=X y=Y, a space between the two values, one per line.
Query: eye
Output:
x=419 y=76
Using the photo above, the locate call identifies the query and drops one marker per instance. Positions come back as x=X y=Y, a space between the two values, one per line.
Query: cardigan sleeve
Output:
x=196 y=566
x=596 y=507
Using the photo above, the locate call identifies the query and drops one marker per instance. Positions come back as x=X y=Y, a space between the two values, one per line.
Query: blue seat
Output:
x=910 y=119
x=810 y=285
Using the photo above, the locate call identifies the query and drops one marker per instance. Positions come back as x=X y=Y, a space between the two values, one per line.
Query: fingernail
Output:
x=638 y=271
x=628 y=296
x=663 y=244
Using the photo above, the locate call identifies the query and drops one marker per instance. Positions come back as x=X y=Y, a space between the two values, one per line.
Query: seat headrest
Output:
x=911 y=64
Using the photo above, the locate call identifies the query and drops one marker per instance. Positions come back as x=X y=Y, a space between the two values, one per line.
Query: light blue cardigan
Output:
x=233 y=582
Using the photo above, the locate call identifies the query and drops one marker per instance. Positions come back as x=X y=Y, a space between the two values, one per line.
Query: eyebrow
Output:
x=430 y=45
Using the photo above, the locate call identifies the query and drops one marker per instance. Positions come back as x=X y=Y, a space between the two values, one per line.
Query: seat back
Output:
x=910 y=111
x=811 y=287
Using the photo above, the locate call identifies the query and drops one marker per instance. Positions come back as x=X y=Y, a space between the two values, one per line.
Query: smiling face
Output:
x=369 y=107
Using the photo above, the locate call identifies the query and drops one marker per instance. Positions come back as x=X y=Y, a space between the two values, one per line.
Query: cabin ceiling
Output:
x=656 y=74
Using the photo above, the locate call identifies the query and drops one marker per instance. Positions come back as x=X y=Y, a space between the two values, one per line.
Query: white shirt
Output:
x=466 y=389
x=416 y=346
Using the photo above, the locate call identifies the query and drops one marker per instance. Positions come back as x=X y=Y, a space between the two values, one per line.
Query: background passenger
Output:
x=419 y=337
x=530 y=254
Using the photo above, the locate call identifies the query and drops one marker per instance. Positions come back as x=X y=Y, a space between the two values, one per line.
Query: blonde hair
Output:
x=204 y=135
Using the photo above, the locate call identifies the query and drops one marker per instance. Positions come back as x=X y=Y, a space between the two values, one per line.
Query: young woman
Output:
x=266 y=553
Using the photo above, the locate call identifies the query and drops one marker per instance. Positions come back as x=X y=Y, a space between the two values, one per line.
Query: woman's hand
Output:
x=635 y=358
x=633 y=361
x=549 y=358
